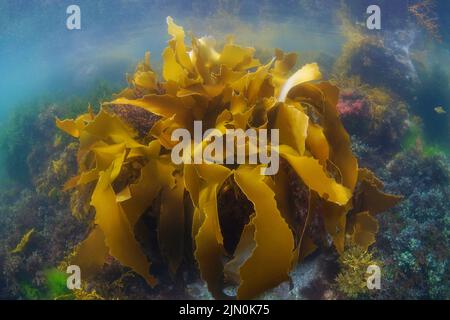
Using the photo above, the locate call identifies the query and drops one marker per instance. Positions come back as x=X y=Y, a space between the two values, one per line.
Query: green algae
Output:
x=53 y=287
x=416 y=139
x=56 y=283
x=24 y=131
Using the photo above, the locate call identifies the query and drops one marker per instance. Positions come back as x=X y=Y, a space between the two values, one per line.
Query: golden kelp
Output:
x=225 y=89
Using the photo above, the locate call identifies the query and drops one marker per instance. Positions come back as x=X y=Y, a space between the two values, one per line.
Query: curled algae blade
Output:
x=90 y=254
x=171 y=224
x=119 y=237
x=317 y=144
x=294 y=124
x=208 y=240
x=364 y=230
x=177 y=33
x=314 y=176
x=307 y=73
x=271 y=259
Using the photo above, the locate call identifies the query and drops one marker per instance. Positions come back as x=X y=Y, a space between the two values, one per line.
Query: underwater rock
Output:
x=352 y=103
x=398 y=43
x=355 y=111
x=375 y=116
x=311 y=280
x=41 y=207
x=383 y=62
x=138 y=118
x=413 y=242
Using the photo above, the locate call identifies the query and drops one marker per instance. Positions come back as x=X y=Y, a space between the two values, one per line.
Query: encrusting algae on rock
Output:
x=227 y=89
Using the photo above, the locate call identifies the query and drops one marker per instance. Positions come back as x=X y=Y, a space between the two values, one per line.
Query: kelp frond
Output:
x=225 y=88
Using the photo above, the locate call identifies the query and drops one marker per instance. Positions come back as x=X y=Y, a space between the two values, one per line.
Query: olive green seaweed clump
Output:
x=52 y=287
x=255 y=245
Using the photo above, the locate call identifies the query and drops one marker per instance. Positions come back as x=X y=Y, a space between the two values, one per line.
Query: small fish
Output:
x=440 y=110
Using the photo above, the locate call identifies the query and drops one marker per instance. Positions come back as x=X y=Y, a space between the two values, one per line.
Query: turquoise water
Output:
x=39 y=56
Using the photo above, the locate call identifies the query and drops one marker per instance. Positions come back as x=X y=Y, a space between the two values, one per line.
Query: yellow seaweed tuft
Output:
x=23 y=242
x=225 y=88
x=352 y=279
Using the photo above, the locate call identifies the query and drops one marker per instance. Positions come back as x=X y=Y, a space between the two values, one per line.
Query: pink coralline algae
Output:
x=351 y=104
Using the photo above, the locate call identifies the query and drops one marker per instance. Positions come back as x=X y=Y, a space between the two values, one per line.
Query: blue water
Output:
x=39 y=56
